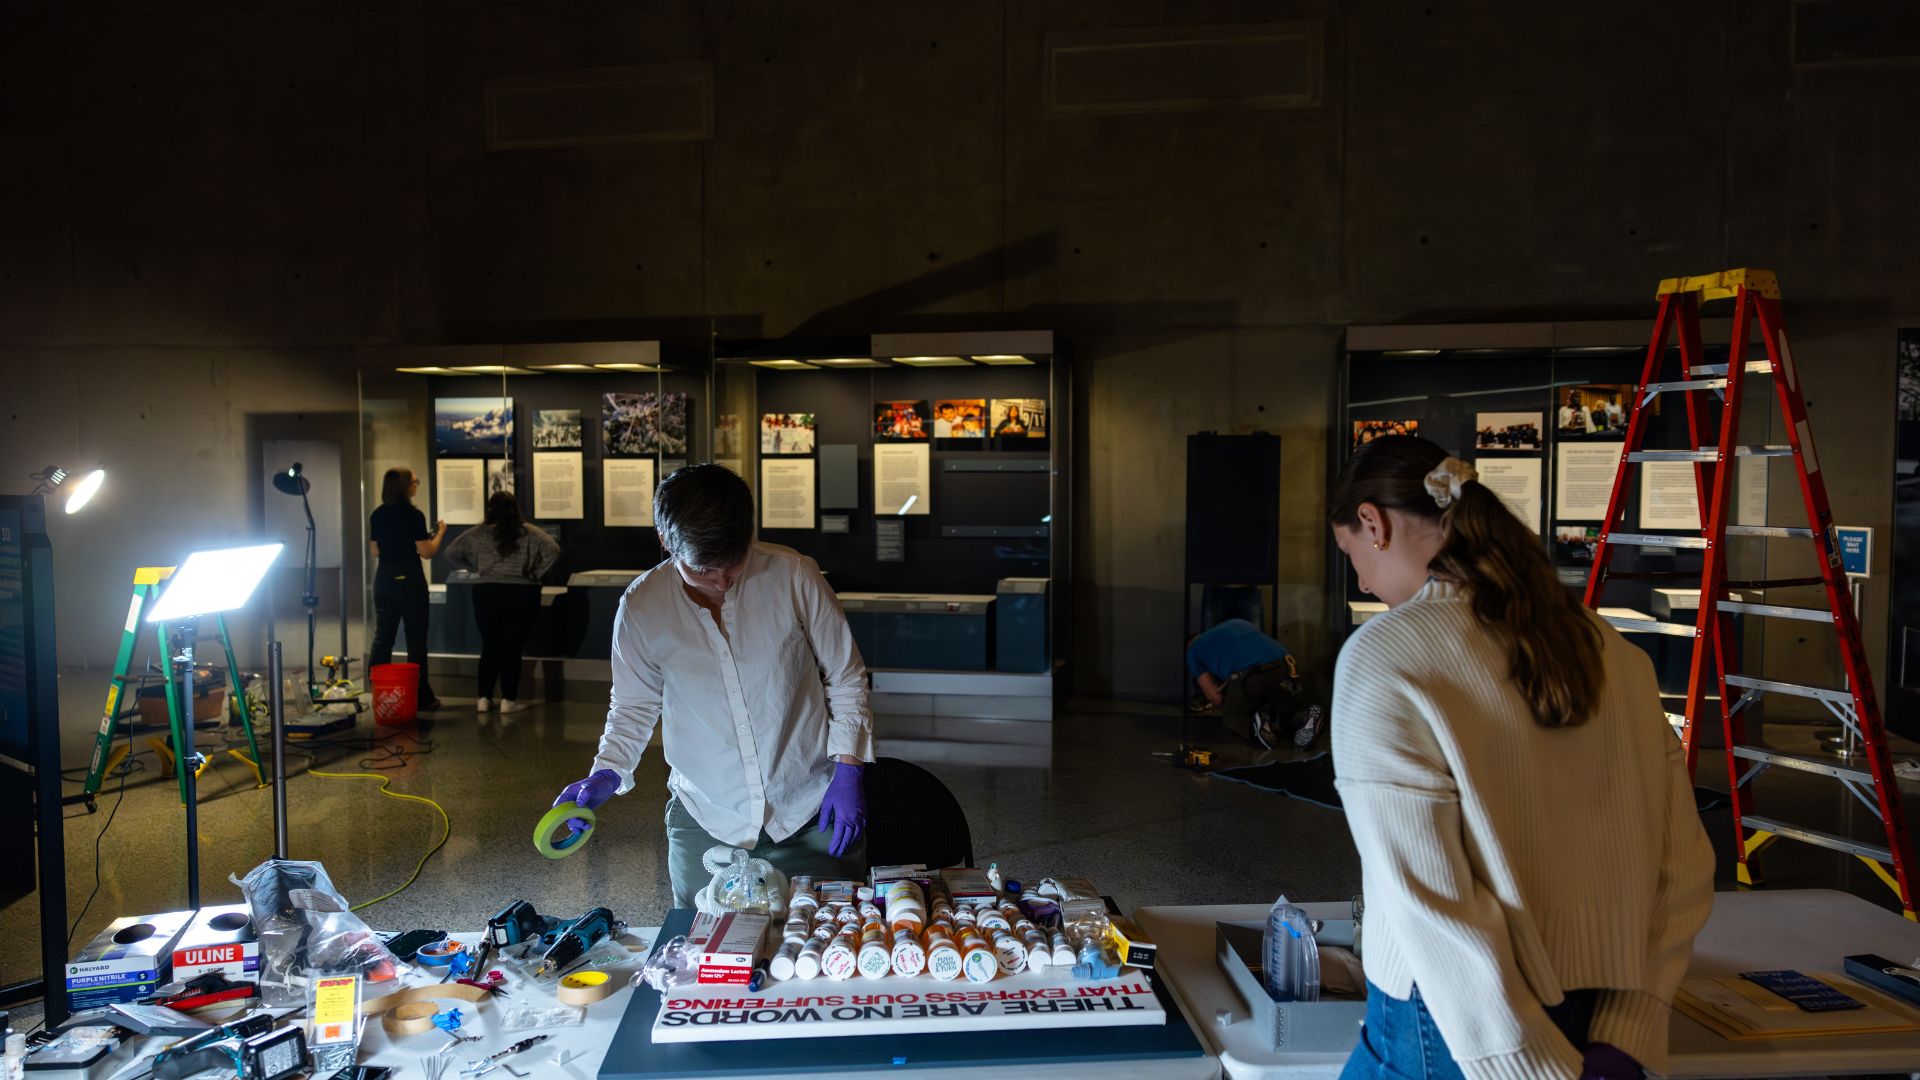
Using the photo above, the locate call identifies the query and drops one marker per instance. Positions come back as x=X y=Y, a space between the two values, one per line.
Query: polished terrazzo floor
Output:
x=1083 y=796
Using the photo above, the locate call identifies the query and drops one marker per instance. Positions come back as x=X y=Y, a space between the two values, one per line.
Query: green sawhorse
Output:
x=109 y=753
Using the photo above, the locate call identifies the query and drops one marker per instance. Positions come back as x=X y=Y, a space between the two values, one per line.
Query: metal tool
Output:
x=518 y=922
x=487 y=1064
x=572 y=941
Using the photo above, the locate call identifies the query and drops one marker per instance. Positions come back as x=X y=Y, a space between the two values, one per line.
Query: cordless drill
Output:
x=571 y=941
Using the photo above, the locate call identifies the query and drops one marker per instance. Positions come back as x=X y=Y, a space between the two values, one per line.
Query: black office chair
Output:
x=913 y=818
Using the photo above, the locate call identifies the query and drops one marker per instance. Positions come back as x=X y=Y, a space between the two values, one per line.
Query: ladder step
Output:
x=1650 y=626
x=1768 y=686
x=1710 y=454
x=1831 y=841
x=1771 y=532
x=1777 y=611
x=1674 y=455
x=1721 y=369
x=1812 y=763
x=1653 y=390
x=1656 y=540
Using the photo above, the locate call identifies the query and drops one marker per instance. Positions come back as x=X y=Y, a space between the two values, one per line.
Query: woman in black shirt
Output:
x=398 y=531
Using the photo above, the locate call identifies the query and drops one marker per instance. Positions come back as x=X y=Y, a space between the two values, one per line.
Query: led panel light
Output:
x=1003 y=360
x=850 y=362
x=84 y=491
x=494 y=369
x=784 y=365
x=428 y=371
x=561 y=367
x=651 y=369
x=214 y=581
x=933 y=361
x=1411 y=352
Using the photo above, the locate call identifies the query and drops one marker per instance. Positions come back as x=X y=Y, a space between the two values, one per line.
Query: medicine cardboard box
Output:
x=219 y=939
x=726 y=946
x=127 y=962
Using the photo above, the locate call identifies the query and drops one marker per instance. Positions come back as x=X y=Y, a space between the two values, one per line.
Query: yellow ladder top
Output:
x=152 y=575
x=1724 y=284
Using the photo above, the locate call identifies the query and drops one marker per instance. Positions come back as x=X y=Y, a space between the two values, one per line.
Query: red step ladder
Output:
x=1713 y=393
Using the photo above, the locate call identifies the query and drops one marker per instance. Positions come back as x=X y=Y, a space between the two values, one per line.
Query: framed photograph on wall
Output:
x=478 y=426
x=786 y=433
x=901 y=421
x=1019 y=418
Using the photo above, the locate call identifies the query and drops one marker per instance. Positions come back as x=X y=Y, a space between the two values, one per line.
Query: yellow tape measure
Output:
x=556 y=819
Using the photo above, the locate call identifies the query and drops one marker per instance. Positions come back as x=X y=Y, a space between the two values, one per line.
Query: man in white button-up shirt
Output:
x=739 y=652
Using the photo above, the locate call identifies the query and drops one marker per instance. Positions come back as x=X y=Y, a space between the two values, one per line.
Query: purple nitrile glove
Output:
x=590 y=793
x=845 y=807
x=1605 y=1061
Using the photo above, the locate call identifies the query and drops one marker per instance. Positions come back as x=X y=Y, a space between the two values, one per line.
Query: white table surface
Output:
x=576 y=1052
x=1806 y=929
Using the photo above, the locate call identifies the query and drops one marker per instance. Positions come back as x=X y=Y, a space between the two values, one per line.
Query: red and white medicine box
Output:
x=727 y=945
x=219 y=939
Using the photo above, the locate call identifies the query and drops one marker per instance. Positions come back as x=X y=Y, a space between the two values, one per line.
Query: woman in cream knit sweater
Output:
x=1534 y=868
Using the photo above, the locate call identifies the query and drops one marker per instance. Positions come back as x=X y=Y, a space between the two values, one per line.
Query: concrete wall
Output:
x=316 y=174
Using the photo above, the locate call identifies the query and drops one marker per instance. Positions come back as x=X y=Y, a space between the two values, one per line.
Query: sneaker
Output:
x=1309 y=721
x=482 y=704
x=1263 y=727
x=508 y=705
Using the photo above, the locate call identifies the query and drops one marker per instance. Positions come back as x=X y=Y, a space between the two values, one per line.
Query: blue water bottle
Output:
x=1290 y=959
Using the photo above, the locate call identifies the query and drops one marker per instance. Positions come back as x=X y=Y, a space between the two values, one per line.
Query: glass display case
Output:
x=1540 y=410
x=924 y=473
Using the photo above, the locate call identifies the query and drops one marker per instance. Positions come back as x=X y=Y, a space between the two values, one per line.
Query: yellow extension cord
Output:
x=446 y=827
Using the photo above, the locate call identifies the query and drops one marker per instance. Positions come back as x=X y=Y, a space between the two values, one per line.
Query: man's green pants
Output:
x=805 y=852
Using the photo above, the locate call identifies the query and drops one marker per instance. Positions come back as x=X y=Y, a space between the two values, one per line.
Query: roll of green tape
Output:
x=556 y=820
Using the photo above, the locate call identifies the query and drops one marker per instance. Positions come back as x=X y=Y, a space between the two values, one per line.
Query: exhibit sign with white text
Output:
x=902 y=476
x=559 y=488
x=459 y=486
x=786 y=493
x=626 y=492
x=814 y=1009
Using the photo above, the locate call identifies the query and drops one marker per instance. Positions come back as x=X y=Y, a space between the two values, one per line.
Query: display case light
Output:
x=784 y=365
x=850 y=362
x=650 y=369
x=494 y=369
x=428 y=371
x=1411 y=352
x=933 y=361
x=1003 y=359
x=561 y=367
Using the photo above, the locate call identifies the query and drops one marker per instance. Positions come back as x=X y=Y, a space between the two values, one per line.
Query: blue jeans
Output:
x=1400 y=1041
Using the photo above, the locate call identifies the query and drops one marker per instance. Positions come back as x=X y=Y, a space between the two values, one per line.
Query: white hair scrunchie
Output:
x=1446 y=479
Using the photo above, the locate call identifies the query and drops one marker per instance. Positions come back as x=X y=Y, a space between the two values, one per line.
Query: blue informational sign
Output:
x=1856 y=549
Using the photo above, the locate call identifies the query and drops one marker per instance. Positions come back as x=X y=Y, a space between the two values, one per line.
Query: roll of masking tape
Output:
x=556 y=820
x=585 y=988
x=410 y=1019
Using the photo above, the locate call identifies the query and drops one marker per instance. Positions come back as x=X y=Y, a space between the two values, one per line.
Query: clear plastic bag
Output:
x=672 y=964
x=740 y=883
x=532 y=1017
x=305 y=928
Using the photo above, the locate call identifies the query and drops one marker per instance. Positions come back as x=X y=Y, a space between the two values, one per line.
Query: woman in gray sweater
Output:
x=511 y=557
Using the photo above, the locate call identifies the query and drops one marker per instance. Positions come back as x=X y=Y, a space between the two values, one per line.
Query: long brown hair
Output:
x=503 y=517
x=393 y=486
x=1552 y=644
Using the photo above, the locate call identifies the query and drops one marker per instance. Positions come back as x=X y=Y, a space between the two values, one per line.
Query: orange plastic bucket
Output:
x=396 y=694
